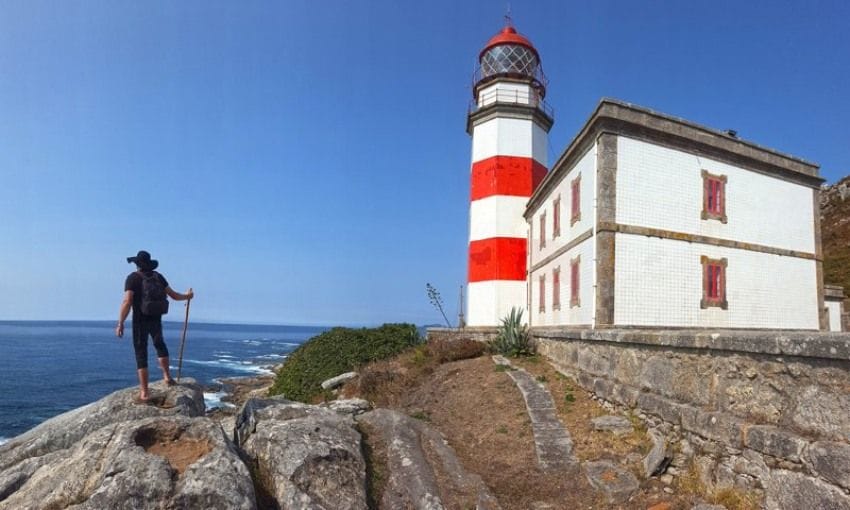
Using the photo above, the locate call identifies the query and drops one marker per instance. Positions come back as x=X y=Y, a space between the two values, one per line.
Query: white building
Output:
x=645 y=219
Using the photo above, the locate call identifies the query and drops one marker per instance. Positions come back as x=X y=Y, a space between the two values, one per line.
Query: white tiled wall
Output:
x=662 y=188
x=491 y=301
x=497 y=216
x=582 y=314
x=659 y=283
x=509 y=137
x=586 y=167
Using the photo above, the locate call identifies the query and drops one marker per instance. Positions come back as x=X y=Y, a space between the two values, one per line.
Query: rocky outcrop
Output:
x=423 y=471
x=63 y=431
x=303 y=456
x=116 y=454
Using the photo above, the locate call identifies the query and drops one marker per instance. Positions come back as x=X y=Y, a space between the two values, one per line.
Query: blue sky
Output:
x=306 y=162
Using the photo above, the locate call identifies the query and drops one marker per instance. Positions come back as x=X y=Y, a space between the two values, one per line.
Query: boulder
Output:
x=303 y=456
x=152 y=463
x=339 y=380
x=352 y=406
x=422 y=470
x=617 y=483
x=659 y=457
x=65 y=430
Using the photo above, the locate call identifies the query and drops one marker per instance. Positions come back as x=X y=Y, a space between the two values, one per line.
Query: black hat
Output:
x=143 y=260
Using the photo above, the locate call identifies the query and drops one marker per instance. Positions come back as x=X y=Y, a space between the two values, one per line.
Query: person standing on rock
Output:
x=145 y=292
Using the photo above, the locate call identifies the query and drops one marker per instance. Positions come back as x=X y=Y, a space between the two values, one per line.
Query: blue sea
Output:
x=47 y=368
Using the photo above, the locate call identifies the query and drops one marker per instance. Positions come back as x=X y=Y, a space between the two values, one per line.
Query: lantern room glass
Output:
x=509 y=59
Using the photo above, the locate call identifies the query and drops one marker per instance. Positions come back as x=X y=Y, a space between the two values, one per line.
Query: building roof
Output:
x=508 y=35
x=622 y=118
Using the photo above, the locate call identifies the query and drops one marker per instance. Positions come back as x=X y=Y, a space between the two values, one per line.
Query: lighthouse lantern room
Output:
x=509 y=122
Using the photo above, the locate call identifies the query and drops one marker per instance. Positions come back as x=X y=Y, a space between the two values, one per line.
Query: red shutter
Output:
x=556 y=288
x=574 y=281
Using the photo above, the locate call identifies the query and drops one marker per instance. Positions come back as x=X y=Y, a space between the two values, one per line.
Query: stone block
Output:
x=625 y=395
x=658 y=457
x=713 y=425
x=617 y=483
x=831 y=461
x=619 y=425
x=824 y=412
x=774 y=441
x=603 y=388
x=591 y=361
x=787 y=490
x=339 y=380
x=754 y=398
x=664 y=408
x=657 y=375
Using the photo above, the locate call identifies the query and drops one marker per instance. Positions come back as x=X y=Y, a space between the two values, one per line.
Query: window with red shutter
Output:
x=556 y=288
x=714 y=283
x=575 y=211
x=556 y=217
x=714 y=197
x=543 y=293
x=574 y=282
x=542 y=230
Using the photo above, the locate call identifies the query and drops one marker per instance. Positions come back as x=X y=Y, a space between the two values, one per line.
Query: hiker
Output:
x=145 y=291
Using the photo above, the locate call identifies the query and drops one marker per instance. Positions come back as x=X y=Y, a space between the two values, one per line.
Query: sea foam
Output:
x=213 y=400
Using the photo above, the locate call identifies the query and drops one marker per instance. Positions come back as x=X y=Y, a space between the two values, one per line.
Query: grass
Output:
x=386 y=382
x=335 y=352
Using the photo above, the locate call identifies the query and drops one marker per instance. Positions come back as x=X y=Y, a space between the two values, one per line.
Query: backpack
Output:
x=154 y=301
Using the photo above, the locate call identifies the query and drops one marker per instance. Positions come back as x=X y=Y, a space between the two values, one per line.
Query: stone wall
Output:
x=479 y=334
x=763 y=411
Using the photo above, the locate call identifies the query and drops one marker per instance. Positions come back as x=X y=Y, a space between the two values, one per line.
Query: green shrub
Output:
x=513 y=338
x=335 y=352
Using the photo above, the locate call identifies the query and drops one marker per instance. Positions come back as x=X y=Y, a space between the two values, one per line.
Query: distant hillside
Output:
x=835 y=228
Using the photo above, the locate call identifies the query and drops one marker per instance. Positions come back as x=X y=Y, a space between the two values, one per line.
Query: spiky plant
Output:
x=513 y=338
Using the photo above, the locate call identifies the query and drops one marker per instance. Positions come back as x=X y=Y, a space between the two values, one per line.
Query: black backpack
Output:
x=154 y=300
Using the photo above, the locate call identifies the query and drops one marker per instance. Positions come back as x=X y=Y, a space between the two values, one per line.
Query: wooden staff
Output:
x=183 y=340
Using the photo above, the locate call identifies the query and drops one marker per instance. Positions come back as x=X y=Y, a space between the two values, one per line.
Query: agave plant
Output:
x=512 y=338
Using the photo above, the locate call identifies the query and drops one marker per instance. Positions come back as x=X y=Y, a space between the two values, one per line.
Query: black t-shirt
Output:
x=134 y=283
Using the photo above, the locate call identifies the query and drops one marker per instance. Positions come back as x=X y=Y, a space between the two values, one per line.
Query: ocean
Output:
x=47 y=368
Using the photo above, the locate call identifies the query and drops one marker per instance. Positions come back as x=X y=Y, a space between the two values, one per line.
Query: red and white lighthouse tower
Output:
x=509 y=123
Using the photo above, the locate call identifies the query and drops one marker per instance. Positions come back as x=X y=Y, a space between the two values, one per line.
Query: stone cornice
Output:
x=626 y=119
x=701 y=239
x=806 y=344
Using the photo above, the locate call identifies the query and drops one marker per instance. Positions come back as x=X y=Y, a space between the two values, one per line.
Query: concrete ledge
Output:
x=805 y=344
x=477 y=333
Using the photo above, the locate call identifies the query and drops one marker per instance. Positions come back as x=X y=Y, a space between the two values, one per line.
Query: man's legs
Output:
x=144 y=393
x=140 y=345
x=166 y=374
x=161 y=351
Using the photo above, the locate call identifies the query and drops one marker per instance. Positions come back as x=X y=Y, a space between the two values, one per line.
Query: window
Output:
x=575 y=212
x=543 y=230
x=556 y=288
x=556 y=217
x=714 y=197
x=574 y=280
x=713 y=283
x=542 y=293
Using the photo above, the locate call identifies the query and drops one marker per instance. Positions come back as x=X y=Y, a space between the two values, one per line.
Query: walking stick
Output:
x=183 y=340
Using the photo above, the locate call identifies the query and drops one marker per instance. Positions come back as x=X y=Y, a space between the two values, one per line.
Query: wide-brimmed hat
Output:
x=143 y=260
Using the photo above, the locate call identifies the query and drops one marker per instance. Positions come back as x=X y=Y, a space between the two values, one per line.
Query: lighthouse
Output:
x=508 y=122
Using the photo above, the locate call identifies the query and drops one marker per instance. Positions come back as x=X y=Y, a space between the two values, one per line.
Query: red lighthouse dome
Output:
x=510 y=54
